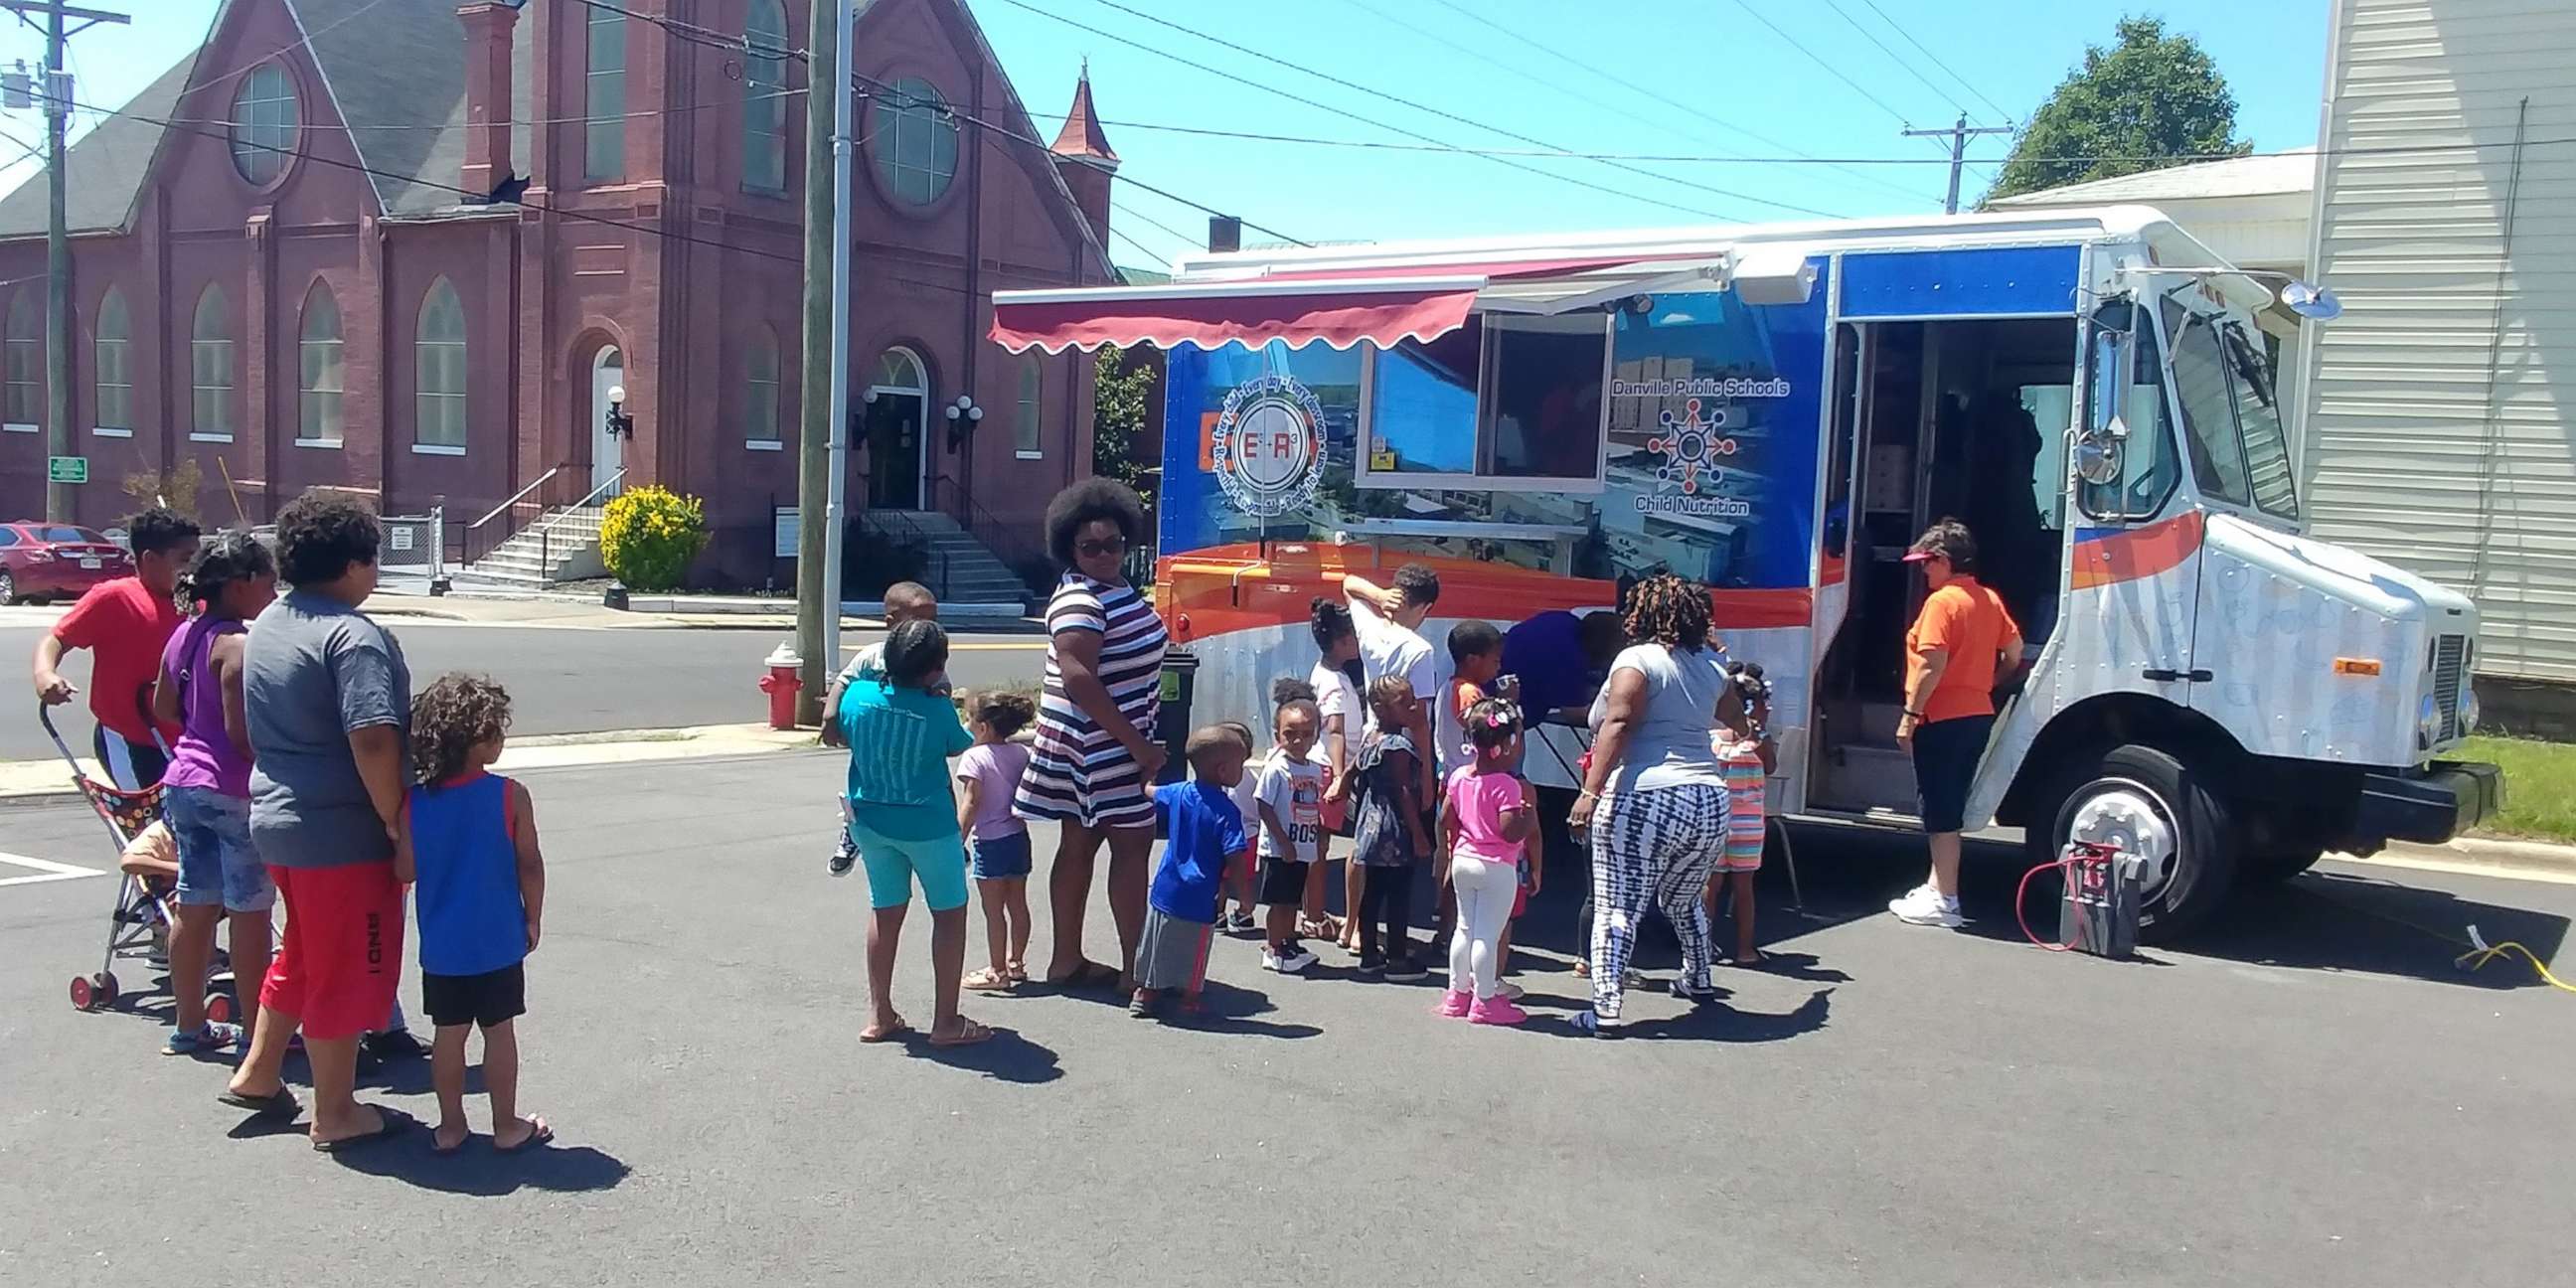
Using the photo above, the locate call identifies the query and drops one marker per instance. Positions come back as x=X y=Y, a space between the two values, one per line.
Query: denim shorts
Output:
x=998 y=858
x=216 y=862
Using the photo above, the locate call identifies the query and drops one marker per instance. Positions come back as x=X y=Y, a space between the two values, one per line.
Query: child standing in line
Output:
x=1476 y=673
x=1240 y=876
x=1745 y=750
x=1291 y=802
x=905 y=601
x=1312 y=919
x=1383 y=782
x=988 y=778
x=1486 y=818
x=1203 y=832
x=471 y=845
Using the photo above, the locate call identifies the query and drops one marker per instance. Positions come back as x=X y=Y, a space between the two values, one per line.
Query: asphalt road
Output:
x=561 y=680
x=2313 y=1094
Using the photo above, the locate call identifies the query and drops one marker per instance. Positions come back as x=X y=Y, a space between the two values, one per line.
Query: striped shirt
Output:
x=1741 y=759
x=1077 y=769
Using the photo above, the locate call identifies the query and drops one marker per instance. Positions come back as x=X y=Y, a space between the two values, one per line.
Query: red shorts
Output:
x=342 y=956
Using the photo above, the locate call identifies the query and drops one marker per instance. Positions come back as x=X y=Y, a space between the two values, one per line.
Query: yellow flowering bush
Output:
x=650 y=536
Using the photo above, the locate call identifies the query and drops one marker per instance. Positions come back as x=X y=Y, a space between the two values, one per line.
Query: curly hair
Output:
x=1003 y=711
x=319 y=535
x=158 y=529
x=1492 y=722
x=450 y=718
x=1330 y=619
x=915 y=651
x=232 y=556
x=1289 y=688
x=1669 y=611
x=1419 y=585
x=1088 y=501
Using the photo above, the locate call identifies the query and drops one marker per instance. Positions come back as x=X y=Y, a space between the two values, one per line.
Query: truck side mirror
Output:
x=2098 y=452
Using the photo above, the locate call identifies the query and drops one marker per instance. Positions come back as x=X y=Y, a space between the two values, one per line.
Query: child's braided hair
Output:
x=1491 y=722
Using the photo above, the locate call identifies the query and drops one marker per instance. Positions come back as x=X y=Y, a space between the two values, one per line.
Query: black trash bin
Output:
x=1172 y=726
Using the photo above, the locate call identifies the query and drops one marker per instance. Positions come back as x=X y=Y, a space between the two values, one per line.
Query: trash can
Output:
x=1172 y=726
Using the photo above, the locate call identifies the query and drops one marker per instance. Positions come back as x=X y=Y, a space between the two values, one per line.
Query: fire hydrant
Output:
x=781 y=685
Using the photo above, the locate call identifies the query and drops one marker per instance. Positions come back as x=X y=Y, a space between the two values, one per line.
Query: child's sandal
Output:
x=1018 y=974
x=985 y=979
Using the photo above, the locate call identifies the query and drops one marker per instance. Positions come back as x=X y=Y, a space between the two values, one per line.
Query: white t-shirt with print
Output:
x=1294 y=790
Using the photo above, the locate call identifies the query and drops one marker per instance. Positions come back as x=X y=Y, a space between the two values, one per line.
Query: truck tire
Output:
x=2146 y=797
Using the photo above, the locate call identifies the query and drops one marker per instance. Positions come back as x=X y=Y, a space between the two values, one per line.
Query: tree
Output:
x=2135 y=106
x=1118 y=421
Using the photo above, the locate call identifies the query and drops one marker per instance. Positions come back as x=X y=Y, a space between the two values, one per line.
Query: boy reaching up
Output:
x=1205 y=832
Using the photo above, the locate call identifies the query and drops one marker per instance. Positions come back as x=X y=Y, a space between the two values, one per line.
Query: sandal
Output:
x=1019 y=974
x=968 y=1034
x=874 y=1034
x=985 y=979
x=1089 y=975
x=538 y=1133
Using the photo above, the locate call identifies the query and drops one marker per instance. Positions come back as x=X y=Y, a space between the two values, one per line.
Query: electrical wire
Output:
x=1892 y=55
x=1182 y=237
x=2481 y=954
x=1964 y=82
x=1812 y=56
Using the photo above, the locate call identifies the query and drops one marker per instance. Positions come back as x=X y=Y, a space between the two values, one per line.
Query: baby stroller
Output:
x=140 y=924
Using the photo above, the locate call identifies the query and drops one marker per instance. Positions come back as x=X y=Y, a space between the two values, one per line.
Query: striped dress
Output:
x=1745 y=790
x=1077 y=772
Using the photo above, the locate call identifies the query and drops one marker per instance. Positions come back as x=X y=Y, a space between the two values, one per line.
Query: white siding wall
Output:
x=2431 y=444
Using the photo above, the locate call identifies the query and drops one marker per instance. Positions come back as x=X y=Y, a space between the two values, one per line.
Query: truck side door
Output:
x=2133 y=557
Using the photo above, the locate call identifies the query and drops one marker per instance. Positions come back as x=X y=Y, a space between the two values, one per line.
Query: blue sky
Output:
x=1697 y=78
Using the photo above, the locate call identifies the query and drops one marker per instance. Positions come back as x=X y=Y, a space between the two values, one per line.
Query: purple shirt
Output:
x=205 y=755
x=996 y=768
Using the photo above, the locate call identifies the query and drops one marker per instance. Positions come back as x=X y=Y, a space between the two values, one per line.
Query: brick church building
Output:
x=286 y=267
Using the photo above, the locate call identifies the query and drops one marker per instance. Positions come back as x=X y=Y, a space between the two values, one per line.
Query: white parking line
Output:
x=46 y=870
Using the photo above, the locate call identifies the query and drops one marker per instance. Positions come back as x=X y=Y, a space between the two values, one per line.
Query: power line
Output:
x=198 y=85
x=1893 y=56
x=1151 y=222
x=1812 y=56
x=689 y=31
x=1964 y=82
x=1141 y=248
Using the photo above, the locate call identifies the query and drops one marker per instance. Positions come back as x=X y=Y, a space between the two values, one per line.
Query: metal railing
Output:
x=898 y=530
x=481 y=538
x=1018 y=546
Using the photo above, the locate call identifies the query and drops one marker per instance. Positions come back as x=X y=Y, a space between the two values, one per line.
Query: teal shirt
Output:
x=900 y=743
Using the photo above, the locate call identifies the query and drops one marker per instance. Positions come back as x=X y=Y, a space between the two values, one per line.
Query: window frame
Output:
x=764 y=344
x=1480 y=478
x=22 y=363
x=204 y=352
x=423 y=398
x=765 y=119
x=1028 y=430
x=600 y=128
x=885 y=135
x=112 y=306
x=2096 y=413
x=307 y=389
x=244 y=125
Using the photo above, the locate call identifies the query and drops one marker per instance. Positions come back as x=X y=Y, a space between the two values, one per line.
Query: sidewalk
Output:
x=649 y=612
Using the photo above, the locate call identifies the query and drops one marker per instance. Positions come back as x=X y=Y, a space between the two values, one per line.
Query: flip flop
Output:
x=873 y=1034
x=394 y=1125
x=436 y=1148
x=540 y=1135
x=968 y=1034
x=987 y=980
x=279 y=1104
x=1089 y=975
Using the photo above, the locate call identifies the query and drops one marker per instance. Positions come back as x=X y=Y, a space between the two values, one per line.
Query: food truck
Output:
x=1776 y=411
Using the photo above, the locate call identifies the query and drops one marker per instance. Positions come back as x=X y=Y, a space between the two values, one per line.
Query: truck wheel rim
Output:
x=2128 y=816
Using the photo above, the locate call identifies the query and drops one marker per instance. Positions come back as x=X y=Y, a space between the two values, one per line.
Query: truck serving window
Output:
x=1504 y=403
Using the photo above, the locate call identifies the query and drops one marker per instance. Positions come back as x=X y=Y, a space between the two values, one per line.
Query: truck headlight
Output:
x=2428 y=723
x=2468 y=710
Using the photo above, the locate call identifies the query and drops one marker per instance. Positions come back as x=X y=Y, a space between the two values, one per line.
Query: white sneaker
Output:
x=1509 y=991
x=1924 y=906
x=1287 y=963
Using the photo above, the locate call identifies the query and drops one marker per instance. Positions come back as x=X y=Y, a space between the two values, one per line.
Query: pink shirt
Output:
x=995 y=767
x=1478 y=800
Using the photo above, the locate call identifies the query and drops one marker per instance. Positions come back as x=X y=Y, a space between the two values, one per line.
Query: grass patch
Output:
x=2539 y=787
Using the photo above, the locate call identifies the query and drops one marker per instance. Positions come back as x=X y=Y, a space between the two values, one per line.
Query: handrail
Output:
x=514 y=497
x=558 y=516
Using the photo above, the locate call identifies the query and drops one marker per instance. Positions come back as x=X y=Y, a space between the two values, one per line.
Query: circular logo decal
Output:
x=1269 y=448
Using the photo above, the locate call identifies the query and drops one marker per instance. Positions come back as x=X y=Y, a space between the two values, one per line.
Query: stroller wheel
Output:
x=219 y=1008
x=82 y=998
x=103 y=990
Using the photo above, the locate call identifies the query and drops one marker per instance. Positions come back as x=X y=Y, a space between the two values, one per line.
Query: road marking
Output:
x=46 y=869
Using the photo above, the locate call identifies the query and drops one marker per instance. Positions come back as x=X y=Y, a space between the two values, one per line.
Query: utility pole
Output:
x=59 y=497
x=822 y=448
x=1958 y=135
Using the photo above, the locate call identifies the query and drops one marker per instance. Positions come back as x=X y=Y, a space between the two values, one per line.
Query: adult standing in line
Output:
x=125 y=623
x=1963 y=643
x=1093 y=762
x=328 y=700
x=1654 y=799
x=1337 y=695
x=1389 y=623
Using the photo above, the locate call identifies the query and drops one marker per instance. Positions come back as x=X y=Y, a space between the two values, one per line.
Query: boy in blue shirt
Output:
x=1205 y=835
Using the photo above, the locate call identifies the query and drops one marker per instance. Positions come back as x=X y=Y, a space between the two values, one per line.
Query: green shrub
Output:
x=651 y=535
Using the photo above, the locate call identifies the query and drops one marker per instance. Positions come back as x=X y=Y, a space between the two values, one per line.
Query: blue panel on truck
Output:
x=1976 y=282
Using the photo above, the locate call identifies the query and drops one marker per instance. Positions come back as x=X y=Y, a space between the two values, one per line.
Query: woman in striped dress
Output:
x=1094 y=757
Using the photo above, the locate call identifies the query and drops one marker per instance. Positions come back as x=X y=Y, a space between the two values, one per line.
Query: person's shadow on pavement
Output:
x=1224 y=1008
x=479 y=1170
x=1004 y=1057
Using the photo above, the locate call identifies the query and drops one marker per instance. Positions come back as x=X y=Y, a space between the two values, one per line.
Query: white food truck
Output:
x=1776 y=411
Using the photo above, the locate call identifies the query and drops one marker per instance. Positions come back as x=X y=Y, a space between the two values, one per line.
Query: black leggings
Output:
x=1387 y=899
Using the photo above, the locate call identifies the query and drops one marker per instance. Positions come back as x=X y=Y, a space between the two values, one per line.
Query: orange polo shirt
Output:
x=1967 y=622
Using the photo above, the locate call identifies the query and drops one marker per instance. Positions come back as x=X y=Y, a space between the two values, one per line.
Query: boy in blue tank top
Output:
x=471 y=845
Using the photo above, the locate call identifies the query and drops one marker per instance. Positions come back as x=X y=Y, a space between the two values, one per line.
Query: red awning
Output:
x=1338 y=313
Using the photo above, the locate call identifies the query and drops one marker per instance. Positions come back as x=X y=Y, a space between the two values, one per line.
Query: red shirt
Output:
x=125 y=627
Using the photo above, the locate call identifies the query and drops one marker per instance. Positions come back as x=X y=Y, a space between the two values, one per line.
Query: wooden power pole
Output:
x=1958 y=135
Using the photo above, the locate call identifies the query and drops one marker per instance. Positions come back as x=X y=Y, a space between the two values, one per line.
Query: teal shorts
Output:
x=938 y=862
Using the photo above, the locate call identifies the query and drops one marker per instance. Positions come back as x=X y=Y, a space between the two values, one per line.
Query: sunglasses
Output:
x=1101 y=546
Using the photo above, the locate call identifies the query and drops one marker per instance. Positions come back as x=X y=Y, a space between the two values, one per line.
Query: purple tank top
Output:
x=205 y=755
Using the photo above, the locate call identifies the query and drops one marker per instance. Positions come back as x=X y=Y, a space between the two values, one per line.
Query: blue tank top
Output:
x=467 y=869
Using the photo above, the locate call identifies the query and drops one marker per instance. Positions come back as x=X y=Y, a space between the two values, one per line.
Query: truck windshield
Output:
x=2223 y=388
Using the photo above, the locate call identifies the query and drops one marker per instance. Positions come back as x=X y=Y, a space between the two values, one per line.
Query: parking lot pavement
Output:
x=2313 y=1094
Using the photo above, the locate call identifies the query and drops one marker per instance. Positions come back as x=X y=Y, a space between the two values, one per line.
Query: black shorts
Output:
x=1945 y=766
x=1283 y=882
x=493 y=997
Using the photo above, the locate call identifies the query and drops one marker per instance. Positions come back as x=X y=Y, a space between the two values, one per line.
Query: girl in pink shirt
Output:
x=1486 y=818
x=988 y=777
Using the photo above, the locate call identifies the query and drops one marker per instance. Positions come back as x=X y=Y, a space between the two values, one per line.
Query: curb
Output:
x=2480 y=854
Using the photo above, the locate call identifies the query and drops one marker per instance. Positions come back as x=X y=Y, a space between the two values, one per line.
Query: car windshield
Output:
x=62 y=532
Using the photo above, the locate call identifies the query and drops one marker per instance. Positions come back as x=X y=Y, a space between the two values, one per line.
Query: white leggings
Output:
x=1485 y=890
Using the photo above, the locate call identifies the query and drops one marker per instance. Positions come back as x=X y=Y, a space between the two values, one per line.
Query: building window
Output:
x=114 y=359
x=263 y=124
x=760 y=392
x=914 y=141
x=26 y=345
x=210 y=366
x=438 y=353
x=764 y=98
x=318 y=388
x=604 y=130
x=1025 y=431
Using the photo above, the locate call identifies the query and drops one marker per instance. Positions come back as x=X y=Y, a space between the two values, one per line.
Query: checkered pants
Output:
x=1657 y=847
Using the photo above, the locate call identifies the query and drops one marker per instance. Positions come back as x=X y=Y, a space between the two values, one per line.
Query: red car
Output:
x=55 y=561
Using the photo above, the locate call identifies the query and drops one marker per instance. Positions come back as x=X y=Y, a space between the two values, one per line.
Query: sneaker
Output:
x=1405 y=967
x=1237 y=922
x=1507 y=989
x=1595 y=1024
x=213 y=1037
x=393 y=1044
x=1372 y=963
x=1286 y=961
x=1140 y=1006
x=845 y=856
x=1924 y=906
x=1497 y=1009
x=1455 y=1004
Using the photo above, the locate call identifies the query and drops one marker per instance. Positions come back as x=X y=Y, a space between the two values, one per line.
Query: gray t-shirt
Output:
x=314 y=671
x=1668 y=746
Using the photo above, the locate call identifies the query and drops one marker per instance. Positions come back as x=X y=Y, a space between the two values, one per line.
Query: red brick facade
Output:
x=699 y=294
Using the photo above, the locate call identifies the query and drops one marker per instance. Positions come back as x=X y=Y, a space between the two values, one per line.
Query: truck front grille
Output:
x=2450 y=678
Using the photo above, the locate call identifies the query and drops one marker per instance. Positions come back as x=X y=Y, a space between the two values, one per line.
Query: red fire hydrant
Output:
x=781 y=685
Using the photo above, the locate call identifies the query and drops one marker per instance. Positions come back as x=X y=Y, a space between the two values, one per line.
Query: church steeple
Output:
x=1083 y=157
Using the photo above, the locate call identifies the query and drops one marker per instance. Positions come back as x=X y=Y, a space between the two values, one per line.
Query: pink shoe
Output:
x=1497 y=1009
x=1455 y=1004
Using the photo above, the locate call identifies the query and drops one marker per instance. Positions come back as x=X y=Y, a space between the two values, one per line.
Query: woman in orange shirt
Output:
x=1962 y=645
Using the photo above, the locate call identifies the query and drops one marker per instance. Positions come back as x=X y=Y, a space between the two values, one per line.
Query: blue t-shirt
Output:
x=1205 y=829
x=466 y=894
x=1546 y=652
x=900 y=743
